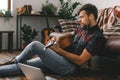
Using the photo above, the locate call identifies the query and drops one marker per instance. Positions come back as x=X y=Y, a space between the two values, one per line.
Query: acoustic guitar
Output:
x=64 y=42
x=46 y=32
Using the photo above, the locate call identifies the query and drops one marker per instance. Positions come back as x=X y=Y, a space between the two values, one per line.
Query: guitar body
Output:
x=45 y=35
x=66 y=42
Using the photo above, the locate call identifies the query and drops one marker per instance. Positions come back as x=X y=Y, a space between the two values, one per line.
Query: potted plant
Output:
x=49 y=8
x=67 y=8
x=1 y=13
x=28 y=34
x=6 y=13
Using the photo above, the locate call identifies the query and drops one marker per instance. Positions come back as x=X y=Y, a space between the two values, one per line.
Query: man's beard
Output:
x=85 y=26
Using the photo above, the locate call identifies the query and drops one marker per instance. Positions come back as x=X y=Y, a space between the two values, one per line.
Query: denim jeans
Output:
x=47 y=60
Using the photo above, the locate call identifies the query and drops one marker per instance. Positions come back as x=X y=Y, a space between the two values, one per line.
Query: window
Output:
x=5 y=4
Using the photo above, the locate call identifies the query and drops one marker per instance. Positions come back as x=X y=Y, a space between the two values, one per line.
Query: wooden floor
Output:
x=86 y=74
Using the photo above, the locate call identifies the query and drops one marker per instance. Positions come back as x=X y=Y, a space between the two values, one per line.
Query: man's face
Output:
x=83 y=19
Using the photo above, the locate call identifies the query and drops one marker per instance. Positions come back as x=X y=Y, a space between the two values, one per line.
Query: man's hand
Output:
x=56 y=45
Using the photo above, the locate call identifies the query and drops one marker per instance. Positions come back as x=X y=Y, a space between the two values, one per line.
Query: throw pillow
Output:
x=68 y=25
x=117 y=15
x=117 y=11
x=109 y=21
x=108 y=18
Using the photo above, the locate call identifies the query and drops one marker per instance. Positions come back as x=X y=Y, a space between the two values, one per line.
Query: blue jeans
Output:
x=48 y=60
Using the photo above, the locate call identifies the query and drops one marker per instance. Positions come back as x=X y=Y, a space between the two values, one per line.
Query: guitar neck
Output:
x=47 y=22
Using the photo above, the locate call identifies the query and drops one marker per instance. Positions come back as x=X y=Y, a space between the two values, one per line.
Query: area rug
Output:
x=5 y=56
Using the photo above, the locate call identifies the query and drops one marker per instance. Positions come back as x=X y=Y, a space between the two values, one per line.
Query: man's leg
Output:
x=14 y=69
x=37 y=62
x=10 y=70
x=28 y=52
x=52 y=60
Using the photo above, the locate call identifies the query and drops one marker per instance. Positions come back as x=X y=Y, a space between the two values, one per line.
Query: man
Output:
x=88 y=41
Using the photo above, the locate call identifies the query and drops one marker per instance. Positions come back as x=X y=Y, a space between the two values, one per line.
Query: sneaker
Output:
x=8 y=62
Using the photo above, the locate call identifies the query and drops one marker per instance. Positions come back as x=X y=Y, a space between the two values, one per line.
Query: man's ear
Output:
x=91 y=16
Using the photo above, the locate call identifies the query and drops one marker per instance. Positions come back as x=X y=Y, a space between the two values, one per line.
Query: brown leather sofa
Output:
x=109 y=61
x=112 y=47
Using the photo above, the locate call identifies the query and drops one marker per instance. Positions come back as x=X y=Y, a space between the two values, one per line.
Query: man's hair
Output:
x=89 y=8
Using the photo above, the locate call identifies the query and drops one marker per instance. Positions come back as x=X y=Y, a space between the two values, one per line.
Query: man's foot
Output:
x=8 y=62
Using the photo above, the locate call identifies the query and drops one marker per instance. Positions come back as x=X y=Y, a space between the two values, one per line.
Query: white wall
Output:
x=39 y=22
x=36 y=4
x=36 y=22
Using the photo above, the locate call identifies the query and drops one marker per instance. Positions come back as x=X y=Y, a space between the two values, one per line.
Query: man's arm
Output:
x=77 y=59
x=63 y=39
x=62 y=35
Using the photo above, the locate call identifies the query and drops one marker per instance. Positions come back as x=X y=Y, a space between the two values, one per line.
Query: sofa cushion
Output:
x=68 y=25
